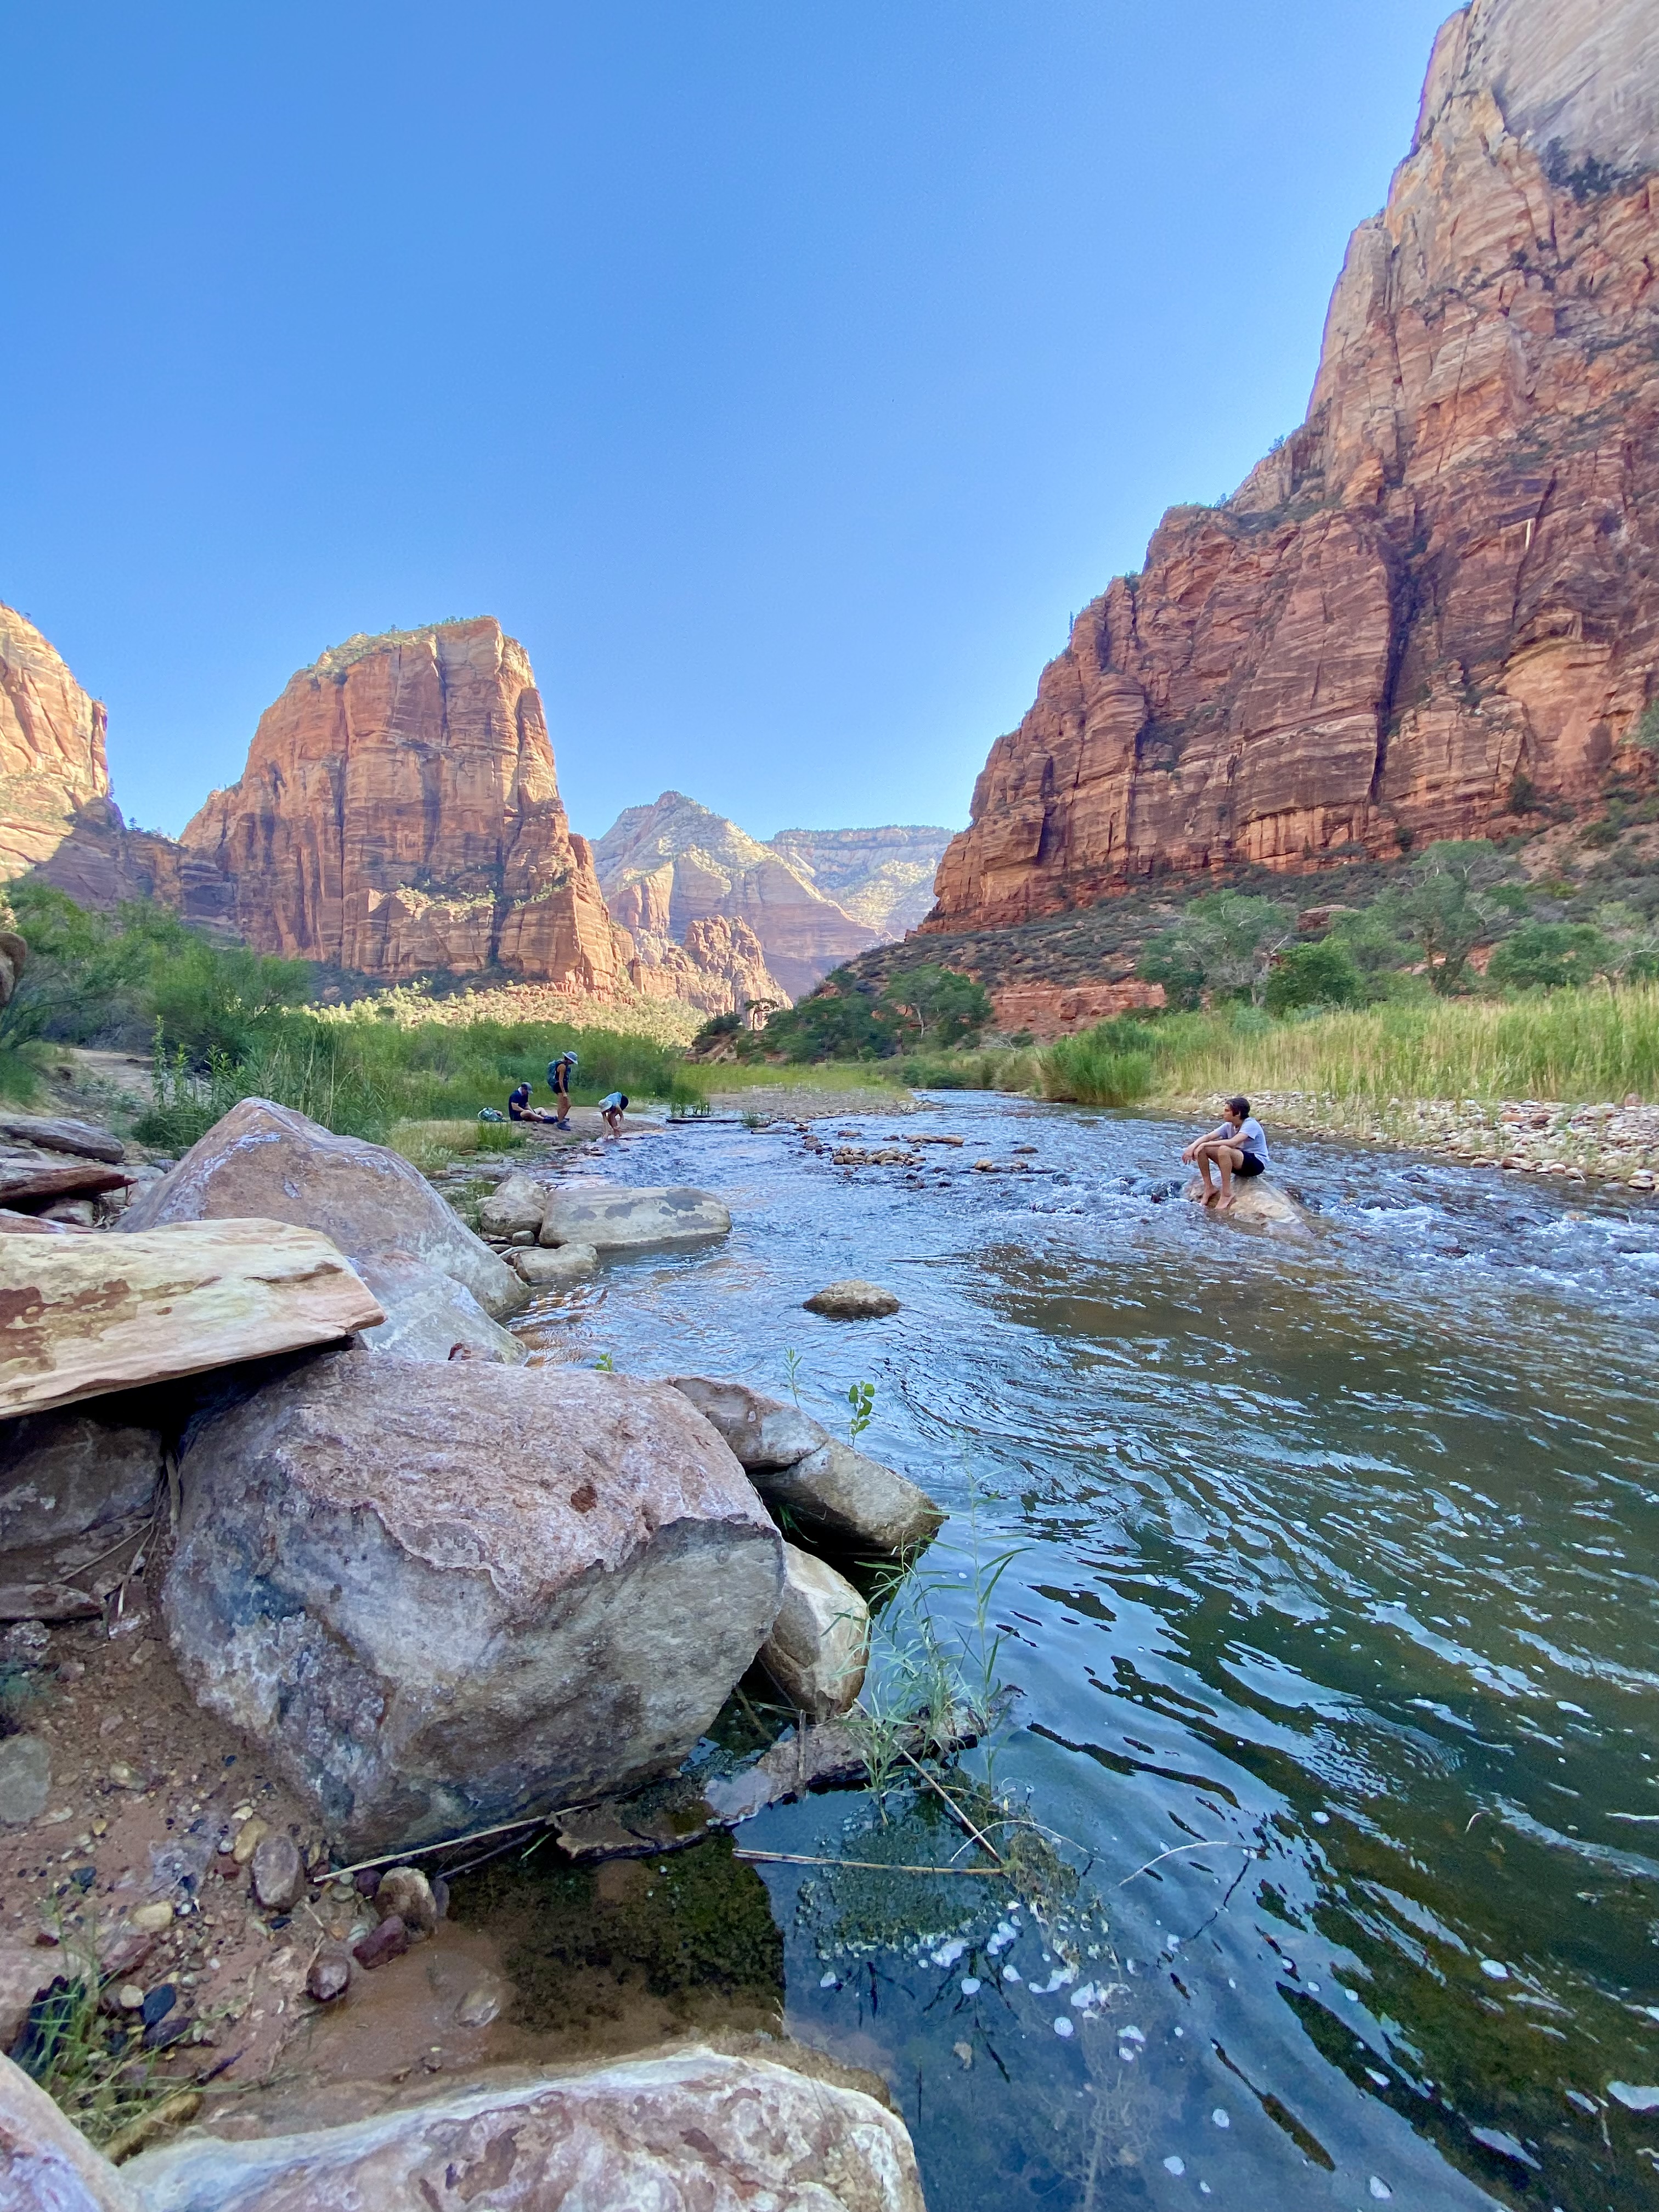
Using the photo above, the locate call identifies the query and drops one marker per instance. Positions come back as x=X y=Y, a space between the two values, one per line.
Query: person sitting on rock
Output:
x=1237 y=1147
x=559 y=1073
x=613 y=1106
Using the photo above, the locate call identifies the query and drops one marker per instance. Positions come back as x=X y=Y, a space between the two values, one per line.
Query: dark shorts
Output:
x=1248 y=1165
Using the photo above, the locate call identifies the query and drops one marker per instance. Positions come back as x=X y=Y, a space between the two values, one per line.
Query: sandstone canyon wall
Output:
x=1440 y=597
x=883 y=877
x=399 y=813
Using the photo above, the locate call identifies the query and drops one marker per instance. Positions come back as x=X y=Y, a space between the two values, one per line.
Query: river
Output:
x=1332 y=1594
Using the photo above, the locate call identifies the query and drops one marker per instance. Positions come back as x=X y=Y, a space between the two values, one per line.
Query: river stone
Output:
x=82 y=1316
x=267 y=1160
x=819 y=1646
x=74 y=1483
x=1258 y=1204
x=852 y=1300
x=850 y=1503
x=614 y=1219
x=763 y=1432
x=46 y=2165
x=431 y=1316
x=25 y=1779
x=517 y=1202
x=564 y=1263
x=443 y=1597
x=278 y=1872
x=692 y=2127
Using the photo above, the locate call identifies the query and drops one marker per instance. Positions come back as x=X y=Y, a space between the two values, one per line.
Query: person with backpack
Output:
x=559 y=1073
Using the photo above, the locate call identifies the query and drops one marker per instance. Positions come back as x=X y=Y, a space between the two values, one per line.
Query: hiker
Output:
x=1237 y=1147
x=519 y=1108
x=559 y=1073
x=613 y=1107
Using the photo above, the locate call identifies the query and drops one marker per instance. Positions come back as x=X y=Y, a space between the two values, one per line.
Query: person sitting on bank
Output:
x=559 y=1073
x=613 y=1106
x=519 y=1108
x=1237 y=1147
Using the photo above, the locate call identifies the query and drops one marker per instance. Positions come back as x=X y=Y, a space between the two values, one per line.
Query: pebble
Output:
x=964 y=2051
x=328 y=1979
x=970 y=1985
x=1221 y=2117
x=405 y=1894
x=25 y=1779
x=129 y=1997
x=389 y=1940
x=1380 y=2188
x=152 y=1918
x=279 y=1873
x=158 y=2003
x=249 y=1837
x=1174 y=2165
x=481 y=2005
x=1494 y=1970
x=1062 y=2025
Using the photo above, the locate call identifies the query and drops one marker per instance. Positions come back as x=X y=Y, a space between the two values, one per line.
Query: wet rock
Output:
x=279 y=1873
x=444 y=1596
x=762 y=1432
x=544 y=1269
x=428 y=1314
x=690 y=2128
x=25 y=1779
x=1258 y=1204
x=819 y=1646
x=516 y=1204
x=46 y=2164
x=329 y=1979
x=84 y=1315
x=852 y=1300
x=406 y=1891
x=481 y=2005
x=267 y=1160
x=851 y=1503
x=389 y=1940
x=614 y=1220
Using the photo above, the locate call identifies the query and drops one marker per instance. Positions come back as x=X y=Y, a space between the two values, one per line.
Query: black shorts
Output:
x=1248 y=1165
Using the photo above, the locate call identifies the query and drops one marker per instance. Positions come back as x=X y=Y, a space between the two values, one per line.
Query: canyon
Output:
x=1435 y=606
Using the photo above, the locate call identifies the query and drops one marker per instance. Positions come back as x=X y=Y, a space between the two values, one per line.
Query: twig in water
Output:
x=873 y=1866
x=989 y=1849
x=1219 y=1843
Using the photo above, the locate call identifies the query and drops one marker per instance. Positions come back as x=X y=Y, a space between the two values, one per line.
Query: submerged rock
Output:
x=852 y=1300
x=851 y=1503
x=444 y=1596
x=614 y=1220
x=267 y=1160
x=693 y=2127
x=819 y=1646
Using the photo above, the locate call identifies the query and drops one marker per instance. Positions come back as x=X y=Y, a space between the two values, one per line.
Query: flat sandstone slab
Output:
x=80 y=1315
x=614 y=1218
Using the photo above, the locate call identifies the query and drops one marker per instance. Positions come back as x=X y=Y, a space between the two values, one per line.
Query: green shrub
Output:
x=1550 y=955
x=935 y=1003
x=1322 y=975
x=1093 y=1070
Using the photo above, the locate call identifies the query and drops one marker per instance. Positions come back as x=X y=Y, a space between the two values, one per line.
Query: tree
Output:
x=1444 y=909
x=1322 y=975
x=838 y=1021
x=1551 y=956
x=953 y=1007
x=1225 y=942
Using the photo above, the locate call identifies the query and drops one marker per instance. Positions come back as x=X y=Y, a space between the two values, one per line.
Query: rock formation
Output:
x=1438 y=599
x=399 y=813
x=881 y=878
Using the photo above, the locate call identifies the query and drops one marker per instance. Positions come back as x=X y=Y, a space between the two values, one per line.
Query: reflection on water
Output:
x=1336 y=1600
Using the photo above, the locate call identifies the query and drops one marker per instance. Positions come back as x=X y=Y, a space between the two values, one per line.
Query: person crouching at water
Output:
x=1236 y=1146
x=613 y=1107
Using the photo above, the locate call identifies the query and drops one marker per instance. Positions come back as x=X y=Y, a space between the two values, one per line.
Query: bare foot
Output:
x=1224 y=1205
x=1211 y=1197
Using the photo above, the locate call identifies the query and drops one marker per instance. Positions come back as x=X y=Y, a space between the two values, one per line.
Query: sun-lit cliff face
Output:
x=52 y=747
x=399 y=813
x=1438 y=599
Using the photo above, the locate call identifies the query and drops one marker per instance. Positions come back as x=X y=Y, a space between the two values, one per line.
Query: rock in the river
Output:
x=25 y=1779
x=429 y=1316
x=72 y=1485
x=850 y=1503
x=544 y=1269
x=692 y=2127
x=517 y=1202
x=819 y=1646
x=1258 y=1204
x=80 y=1315
x=763 y=1432
x=852 y=1300
x=46 y=2165
x=613 y=1219
x=444 y=1596
x=269 y=1160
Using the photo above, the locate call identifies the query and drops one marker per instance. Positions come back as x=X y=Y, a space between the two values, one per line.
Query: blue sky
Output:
x=783 y=375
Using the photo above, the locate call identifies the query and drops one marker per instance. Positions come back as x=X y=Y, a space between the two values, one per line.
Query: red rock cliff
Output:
x=399 y=813
x=52 y=747
x=1443 y=588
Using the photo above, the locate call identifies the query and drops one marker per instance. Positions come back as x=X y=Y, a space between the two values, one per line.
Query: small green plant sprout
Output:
x=861 y=1397
x=604 y=1364
x=792 y=1373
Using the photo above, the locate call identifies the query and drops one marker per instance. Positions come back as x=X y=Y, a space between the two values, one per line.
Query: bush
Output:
x=1323 y=974
x=1094 y=1070
x=936 y=1004
x=1550 y=955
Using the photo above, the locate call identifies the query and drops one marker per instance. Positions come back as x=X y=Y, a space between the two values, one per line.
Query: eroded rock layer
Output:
x=1439 y=598
x=399 y=813
x=52 y=747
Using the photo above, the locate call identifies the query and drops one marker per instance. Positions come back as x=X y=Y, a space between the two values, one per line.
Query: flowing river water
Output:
x=1331 y=1623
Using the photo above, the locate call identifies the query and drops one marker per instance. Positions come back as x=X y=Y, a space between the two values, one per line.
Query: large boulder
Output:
x=693 y=2128
x=46 y=2165
x=431 y=1316
x=74 y=1485
x=851 y=1504
x=614 y=1219
x=819 y=1646
x=1259 y=1204
x=81 y=1316
x=442 y=1597
x=762 y=1432
x=269 y=1160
